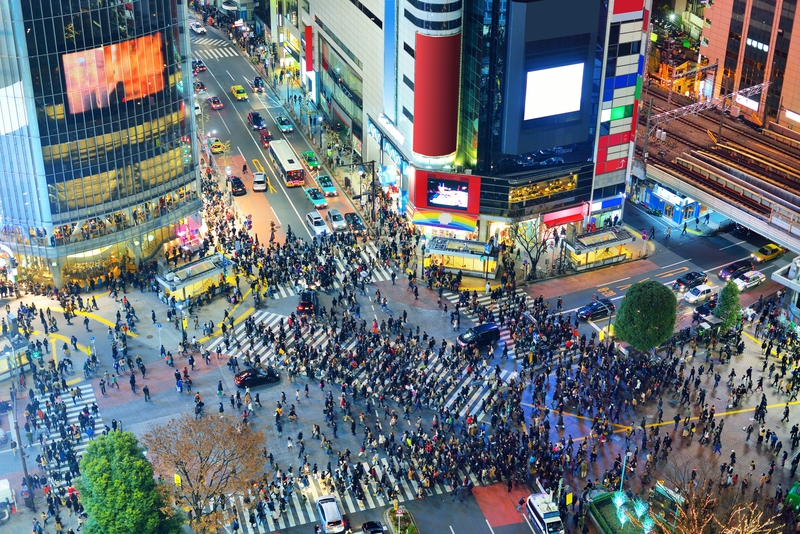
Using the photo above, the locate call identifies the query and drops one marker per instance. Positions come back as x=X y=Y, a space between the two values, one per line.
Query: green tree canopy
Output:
x=647 y=315
x=118 y=490
x=728 y=307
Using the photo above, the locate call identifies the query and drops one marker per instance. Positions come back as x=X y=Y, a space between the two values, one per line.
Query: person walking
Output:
x=683 y=232
x=146 y=392
x=133 y=382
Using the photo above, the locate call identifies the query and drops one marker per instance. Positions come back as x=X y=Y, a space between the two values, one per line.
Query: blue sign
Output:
x=91 y=339
x=158 y=325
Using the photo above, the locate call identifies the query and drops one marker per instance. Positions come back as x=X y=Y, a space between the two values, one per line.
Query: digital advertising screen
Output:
x=448 y=194
x=114 y=74
x=553 y=91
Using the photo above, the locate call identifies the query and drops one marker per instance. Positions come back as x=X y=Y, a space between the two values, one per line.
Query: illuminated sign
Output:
x=553 y=91
x=747 y=102
x=792 y=116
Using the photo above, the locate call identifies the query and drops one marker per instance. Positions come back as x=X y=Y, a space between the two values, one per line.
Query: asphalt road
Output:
x=227 y=67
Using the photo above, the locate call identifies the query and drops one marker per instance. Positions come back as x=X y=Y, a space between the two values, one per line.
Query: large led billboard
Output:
x=553 y=91
x=114 y=74
x=448 y=194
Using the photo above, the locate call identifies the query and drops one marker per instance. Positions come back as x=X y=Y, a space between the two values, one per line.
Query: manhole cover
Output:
x=149 y=337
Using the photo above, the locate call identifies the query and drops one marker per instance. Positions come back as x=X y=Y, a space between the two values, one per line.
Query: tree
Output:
x=212 y=457
x=728 y=307
x=118 y=489
x=528 y=236
x=647 y=315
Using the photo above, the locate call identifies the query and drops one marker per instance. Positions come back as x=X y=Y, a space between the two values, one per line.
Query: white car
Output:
x=336 y=220
x=750 y=279
x=317 y=224
x=196 y=27
x=699 y=294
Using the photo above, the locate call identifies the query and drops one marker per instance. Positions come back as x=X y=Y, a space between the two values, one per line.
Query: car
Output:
x=372 y=527
x=308 y=302
x=690 y=280
x=330 y=517
x=197 y=109
x=265 y=137
x=699 y=294
x=742 y=230
x=767 y=252
x=256 y=376
x=316 y=197
x=317 y=224
x=735 y=269
x=238 y=92
x=199 y=87
x=214 y=102
x=198 y=65
x=196 y=27
x=284 y=124
x=597 y=309
x=326 y=184
x=706 y=308
x=750 y=279
x=334 y=217
x=311 y=159
x=237 y=186
x=215 y=145
x=259 y=181
x=355 y=223
x=480 y=336
x=256 y=121
x=258 y=85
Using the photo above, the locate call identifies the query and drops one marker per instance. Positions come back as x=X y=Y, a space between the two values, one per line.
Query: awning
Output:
x=445 y=219
x=557 y=218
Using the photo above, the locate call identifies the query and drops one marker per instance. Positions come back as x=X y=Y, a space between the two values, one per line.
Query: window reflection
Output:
x=542 y=189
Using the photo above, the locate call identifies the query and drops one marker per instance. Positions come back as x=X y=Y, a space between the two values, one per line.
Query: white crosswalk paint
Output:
x=215 y=53
x=209 y=41
x=73 y=411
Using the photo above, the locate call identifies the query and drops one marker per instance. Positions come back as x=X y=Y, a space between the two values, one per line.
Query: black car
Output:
x=355 y=223
x=596 y=309
x=372 y=527
x=237 y=186
x=736 y=269
x=742 y=230
x=690 y=280
x=308 y=302
x=256 y=121
x=198 y=65
x=480 y=336
x=706 y=308
x=256 y=376
x=258 y=85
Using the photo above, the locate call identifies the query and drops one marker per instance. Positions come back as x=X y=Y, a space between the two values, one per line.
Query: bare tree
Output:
x=530 y=238
x=208 y=458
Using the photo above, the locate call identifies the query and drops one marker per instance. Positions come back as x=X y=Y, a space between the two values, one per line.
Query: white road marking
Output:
x=734 y=245
x=676 y=263
x=490 y=526
x=231 y=75
x=615 y=281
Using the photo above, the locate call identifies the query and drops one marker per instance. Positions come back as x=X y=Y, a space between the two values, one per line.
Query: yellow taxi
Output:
x=238 y=92
x=216 y=146
x=767 y=252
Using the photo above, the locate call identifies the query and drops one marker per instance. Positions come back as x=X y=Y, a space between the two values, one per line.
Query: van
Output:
x=259 y=181
x=480 y=336
x=329 y=515
x=197 y=110
x=544 y=515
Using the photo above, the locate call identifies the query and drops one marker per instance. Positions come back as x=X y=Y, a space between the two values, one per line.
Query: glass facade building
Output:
x=96 y=138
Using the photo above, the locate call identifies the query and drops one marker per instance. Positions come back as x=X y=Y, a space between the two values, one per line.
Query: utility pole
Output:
x=29 y=501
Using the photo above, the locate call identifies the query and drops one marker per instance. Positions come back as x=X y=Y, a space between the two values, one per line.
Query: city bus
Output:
x=287 y=164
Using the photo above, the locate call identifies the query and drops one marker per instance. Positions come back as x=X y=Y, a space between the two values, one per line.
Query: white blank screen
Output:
x=553 y=91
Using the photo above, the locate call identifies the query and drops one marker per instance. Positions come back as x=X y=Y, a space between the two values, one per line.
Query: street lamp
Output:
x=183 y=327
x=321 y=120
x=29 y=502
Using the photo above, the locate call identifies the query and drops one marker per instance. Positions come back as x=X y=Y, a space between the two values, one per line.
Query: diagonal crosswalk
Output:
x=367 y=252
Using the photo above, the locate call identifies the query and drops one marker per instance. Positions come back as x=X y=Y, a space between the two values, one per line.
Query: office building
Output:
x=98 y=163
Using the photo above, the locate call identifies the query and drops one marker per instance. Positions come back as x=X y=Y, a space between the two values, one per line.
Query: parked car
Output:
x=308 y=303
x=256 y=376
x=215 y=145
x=355 y=223
x=199 y=87
x=699 y=294
x=596 y=309
x=735 y=269
x=237 y=186
x=749 y=280
x=316 y=197
x=768 y=252
x=336 y=220
x=690 y=280
x=480 y=336
x=317 y=224
x=215 y=102
x=326 y=184
x=198 y=65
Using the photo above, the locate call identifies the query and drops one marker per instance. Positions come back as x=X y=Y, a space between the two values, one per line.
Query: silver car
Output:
x=336 y=220
x=317 y=224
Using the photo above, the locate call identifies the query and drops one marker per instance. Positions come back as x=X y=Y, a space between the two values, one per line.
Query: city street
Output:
x=491 y=508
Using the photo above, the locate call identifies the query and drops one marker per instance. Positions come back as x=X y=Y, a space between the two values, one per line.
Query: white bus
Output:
x=287 y=164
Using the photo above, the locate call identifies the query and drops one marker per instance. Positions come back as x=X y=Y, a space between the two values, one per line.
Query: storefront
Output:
x=673 y=206
x=394 y=168
x=606 y=212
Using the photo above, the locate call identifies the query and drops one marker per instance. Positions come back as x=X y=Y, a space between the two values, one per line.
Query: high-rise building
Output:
x=752 y=41
x=97 y=160
x=526 y=108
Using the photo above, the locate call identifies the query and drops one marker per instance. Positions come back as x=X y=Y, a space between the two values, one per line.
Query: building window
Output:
x=408 y=115
x=408 y=82
x=409 y=50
